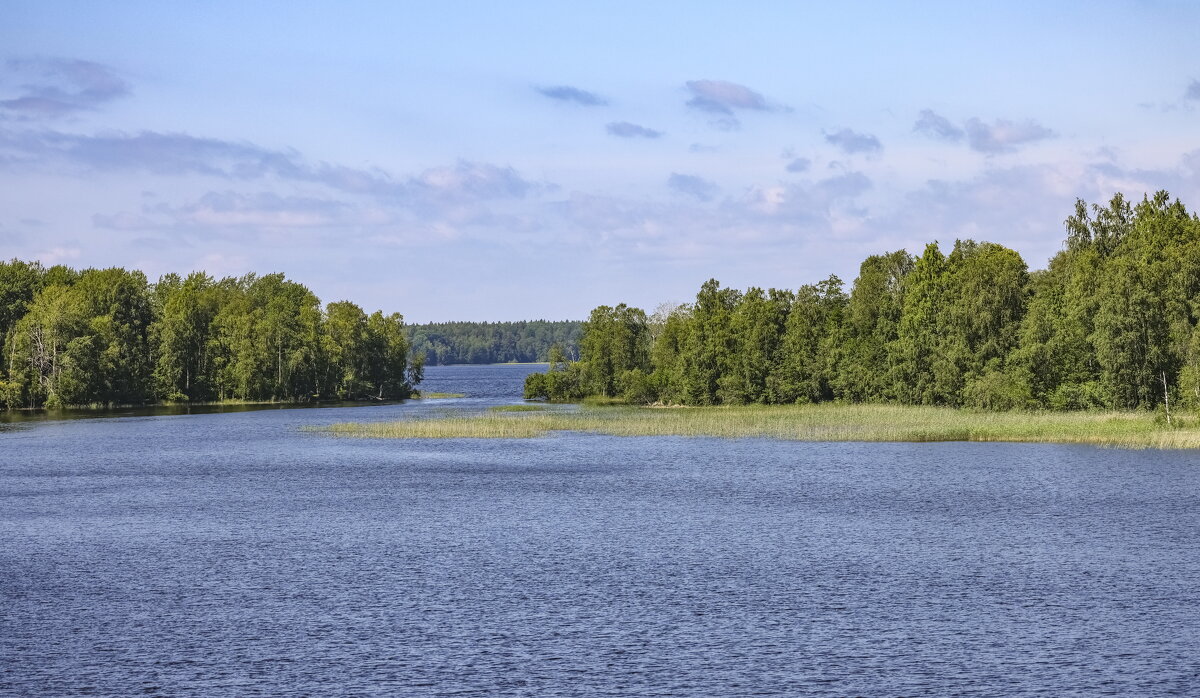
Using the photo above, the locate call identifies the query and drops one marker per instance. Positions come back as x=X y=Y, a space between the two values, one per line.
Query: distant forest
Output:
x=494 y=342
x=1112 y=322
x=107 y=337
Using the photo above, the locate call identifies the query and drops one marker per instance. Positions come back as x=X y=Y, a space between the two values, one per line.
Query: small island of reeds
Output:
x=821 y=422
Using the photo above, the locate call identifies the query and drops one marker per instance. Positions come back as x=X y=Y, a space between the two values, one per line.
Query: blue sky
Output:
x=493 y=161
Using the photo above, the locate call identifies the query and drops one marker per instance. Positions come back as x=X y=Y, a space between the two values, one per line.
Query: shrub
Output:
x=1089 y=395
x=998 y=390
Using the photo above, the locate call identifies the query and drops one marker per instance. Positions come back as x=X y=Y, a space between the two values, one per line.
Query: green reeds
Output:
x=516 y=408
x=824 y=422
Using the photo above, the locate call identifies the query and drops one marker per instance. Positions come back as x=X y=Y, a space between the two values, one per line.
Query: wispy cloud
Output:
x=721 y=97
x=467 y=181
x=937 y=126
x=854 y=142
x=176 y=154
x=227 y=209
x=158 y=153
x=1193 y=90
x=624 y=129
x=46 y=88
x=799 y=165
x=693 y=186
x=1004 y=136
x=566 y=93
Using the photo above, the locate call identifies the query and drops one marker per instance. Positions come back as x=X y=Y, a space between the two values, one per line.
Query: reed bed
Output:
x=825 y=422
x=439 y=396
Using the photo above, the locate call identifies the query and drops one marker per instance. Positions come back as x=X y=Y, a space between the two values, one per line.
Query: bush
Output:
x=561 y=385
x=1089 y=395
x=998 y=390
x=537 y=387
x=638 y=388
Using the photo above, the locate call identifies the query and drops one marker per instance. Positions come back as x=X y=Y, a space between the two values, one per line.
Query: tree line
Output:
x=1110 y=323
x=108 y=337
x=493 y=342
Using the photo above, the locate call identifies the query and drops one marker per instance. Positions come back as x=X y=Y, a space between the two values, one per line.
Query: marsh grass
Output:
x=825 y=422
x=439 y=396
x=516 y=408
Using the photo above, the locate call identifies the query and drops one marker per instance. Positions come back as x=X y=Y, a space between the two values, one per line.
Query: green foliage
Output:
x=615 y=341
x=493 y=342
x=998 y=390
x=561 y=383
x=871 y=328
x=638 y=387
x=1111 y=323
x=1089 y=395
x=922 y=366
x=757 y=326
x=812 y=345
x=666 y=355
x=108 y=337
x=710 y=351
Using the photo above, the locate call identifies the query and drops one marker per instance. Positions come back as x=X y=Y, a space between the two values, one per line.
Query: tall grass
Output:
x=516 y=408
x=825 y=422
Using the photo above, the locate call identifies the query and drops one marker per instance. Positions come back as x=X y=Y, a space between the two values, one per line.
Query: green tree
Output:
x=615 y=341
x=19 y=283
x=986 y=293
x=919 y=339
x=757 y=326
x=41 y=370
x=390 y=371
x=872 y=325
x=182 y=331
x=1145 y=316
x=811 y=344
x=345 y=352
x=711 y=344
x=672 y=337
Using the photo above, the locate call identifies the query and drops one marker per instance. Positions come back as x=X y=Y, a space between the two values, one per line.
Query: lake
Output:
x=236 y=554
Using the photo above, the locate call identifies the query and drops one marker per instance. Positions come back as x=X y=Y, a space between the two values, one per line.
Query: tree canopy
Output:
x=493 y=342
x=108 y=336
x=1110 y=323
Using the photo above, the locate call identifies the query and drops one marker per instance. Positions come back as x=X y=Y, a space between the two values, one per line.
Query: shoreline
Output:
x=214 y=405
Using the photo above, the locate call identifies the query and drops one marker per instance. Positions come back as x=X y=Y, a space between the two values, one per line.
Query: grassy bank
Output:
x=826 y=422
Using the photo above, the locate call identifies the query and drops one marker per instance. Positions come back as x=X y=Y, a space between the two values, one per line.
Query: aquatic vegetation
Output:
x=439 y=396
x=516 y=408
x=821 y=422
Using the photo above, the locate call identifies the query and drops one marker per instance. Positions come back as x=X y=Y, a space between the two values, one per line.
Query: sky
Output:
x=522 y=160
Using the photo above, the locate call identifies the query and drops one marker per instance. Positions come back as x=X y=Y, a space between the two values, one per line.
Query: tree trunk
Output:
x=1166 y=398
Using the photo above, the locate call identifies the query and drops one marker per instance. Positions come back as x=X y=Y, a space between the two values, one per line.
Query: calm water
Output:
x=233 y=554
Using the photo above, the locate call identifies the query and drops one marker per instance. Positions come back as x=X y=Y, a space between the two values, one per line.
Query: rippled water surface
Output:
x=235 y=554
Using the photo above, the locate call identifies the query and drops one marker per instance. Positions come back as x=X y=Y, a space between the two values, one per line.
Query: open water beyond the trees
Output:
x=236 y=554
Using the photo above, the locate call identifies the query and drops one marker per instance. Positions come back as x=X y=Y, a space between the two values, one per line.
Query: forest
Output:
x=1111 y=323
x=108 y=337
x=493 y=342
